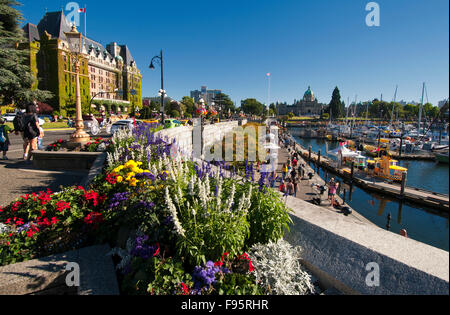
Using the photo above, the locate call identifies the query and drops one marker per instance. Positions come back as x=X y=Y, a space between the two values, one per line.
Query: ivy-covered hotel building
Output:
x=109 y=69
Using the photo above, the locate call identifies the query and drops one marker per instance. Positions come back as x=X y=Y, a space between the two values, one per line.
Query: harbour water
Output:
x=425 y=225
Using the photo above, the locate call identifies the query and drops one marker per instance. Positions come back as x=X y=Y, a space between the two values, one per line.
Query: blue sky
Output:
x=231 y=45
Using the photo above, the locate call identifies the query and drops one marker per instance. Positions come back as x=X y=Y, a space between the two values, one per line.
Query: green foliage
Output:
x=238 y=284
x=251 y=106
x=268 y=216
x=156 y=276
x=336 y=106
x=16 y=79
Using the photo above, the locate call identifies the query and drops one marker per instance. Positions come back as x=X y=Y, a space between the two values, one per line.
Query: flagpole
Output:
x=85 y=18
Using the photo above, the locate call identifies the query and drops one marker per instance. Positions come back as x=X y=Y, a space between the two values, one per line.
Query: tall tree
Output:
x=251 y=106
x=224 y=101
x=189 y=105
x=336 y=106
x=16 y=79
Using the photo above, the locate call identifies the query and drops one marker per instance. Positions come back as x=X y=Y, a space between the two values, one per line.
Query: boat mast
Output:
x=393 y=105
x=421 y=107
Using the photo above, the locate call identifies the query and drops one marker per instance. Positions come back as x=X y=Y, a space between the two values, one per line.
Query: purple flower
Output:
x=118 y=199
x=142 y=249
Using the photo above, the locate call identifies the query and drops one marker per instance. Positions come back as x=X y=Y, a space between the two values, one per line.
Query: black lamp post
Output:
x=161 y=92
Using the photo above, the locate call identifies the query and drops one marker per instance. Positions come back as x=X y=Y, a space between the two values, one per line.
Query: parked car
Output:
x=124 y=124
x=172 y=123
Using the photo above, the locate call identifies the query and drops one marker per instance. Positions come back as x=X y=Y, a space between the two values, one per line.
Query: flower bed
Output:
x=94 y=145
x=197 y=229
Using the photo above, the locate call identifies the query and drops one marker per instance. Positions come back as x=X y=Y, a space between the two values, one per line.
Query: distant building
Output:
x=442 y=103
x=308 y=106
x=109 y=69
x=157 y=99
x=207 y=95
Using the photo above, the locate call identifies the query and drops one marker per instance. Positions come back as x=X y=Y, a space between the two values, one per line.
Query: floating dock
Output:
x=415 y=195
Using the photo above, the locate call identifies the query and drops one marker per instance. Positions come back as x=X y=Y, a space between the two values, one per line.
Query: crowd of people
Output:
x=293 y=172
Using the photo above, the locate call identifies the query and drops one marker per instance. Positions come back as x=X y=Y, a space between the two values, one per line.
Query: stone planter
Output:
x=79 y=161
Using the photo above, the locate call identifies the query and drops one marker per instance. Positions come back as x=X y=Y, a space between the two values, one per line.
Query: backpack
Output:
x=2 y=137
x=19 y=122
x=30 y=131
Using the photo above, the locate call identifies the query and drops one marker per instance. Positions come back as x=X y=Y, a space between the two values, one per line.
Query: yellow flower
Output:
x=119 y=179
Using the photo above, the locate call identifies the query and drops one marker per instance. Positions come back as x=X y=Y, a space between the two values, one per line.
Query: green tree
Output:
x=291 y=115
x=224 y=102
x=189 y=105
x=272 y=109
x=336 y=106
x=16 y=80
x=251 y=106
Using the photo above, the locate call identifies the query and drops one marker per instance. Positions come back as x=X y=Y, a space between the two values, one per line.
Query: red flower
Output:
x=112 y=178
x=42 y=212
x=54 y=220
x=251 y=268
x=92 y=196
x=43 y=222
x=44 y=197
x=157 y=251
x=93 y=218
x=62 y=205
x=185 y=289
x=1 y=209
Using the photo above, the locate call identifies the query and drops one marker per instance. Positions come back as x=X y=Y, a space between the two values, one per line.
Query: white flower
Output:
x=4 y=228
x=173 y=212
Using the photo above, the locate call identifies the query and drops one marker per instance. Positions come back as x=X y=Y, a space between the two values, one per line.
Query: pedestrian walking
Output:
x=31 y=131
x=293 y=173
x=295 y=184
x=282 y=187
x=40 y=144
x=4 y=138
x=332 y=188
x=284 y=171
x=289 y=188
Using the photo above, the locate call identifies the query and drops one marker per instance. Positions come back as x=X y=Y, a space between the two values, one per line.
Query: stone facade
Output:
x=107 y=69
x=308 y=106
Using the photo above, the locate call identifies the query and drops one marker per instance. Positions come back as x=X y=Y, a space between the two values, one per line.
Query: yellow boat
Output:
x=386 y=168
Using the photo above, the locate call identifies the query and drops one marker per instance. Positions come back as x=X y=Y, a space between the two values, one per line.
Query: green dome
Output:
x=309 y=95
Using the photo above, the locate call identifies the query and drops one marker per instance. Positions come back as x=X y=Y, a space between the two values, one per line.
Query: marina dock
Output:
x=415 y=195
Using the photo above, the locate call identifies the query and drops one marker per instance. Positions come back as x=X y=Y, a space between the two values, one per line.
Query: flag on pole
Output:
x=83 y=10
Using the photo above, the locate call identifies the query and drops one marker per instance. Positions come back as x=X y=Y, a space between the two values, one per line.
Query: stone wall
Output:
x=188 y=138
x=338 y=250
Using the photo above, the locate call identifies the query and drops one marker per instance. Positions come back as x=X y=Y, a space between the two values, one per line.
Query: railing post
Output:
x=402 y=192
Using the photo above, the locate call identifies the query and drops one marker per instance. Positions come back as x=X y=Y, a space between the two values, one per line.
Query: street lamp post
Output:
x=162 y=92
x=202 y=106
x=74 y=39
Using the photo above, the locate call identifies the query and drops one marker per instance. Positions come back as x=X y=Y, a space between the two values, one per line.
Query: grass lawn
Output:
x=56 y=125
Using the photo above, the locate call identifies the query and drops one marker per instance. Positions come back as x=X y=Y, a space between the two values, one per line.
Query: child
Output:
x=41 y=138
x=4 y=138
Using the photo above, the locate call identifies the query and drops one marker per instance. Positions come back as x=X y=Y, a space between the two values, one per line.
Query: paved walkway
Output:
x=18 y=178
x=307 y=192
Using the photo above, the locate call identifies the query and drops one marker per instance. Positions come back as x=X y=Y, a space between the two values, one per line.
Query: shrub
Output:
x=277 y=267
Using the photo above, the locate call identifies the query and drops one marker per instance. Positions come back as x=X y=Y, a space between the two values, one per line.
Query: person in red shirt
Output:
x=294 y=162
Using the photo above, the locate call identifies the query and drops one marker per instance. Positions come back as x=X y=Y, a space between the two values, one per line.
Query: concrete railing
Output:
x=188 y=138
x=338 y=250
